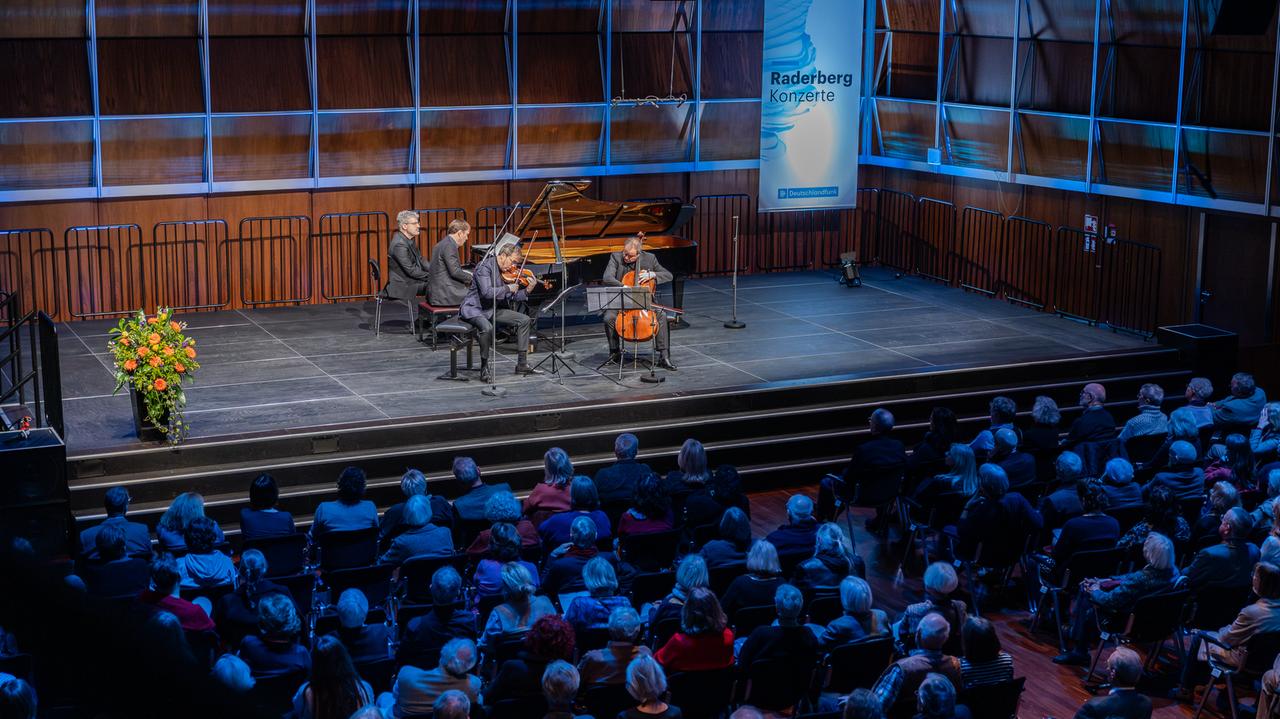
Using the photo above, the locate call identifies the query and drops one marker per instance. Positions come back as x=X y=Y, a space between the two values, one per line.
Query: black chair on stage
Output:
x=704 y=693
x=1153 y=620
x=1261 y=651
x=343 y=550
x=375 y=277
x=285 y=555
x=856 y=665
x=651 y=551
x=1079 y=566
x=994 y=701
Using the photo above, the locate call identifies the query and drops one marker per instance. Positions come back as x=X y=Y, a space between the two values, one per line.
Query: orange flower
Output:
x=177 y=367
x=130 y=365
x=153 y=320
x=168 y=351
x=191 y=352
x=153 y=338
x=124 y=340
x=155 y=361
x=175 y=326
x=143 y=351
x=160 y=385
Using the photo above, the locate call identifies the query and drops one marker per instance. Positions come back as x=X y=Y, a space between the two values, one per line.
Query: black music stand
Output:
x=558 y=357
x=600 y=299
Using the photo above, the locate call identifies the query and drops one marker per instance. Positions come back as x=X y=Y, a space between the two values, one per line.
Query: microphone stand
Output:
x=493 y=390
x=735 y=324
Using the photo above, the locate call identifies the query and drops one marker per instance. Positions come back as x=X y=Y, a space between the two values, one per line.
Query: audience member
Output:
x=137 y=538
x=333 y=688
x=470 y=505
x=860 y=618
x=1161 y=514
x=1044 y=434
x=592 y=610
x=238 y=610
x=787 y=639
x=757 y=587
x=232 y=674
x=650 y=511
x=878 y=452
x=983 y=662
x=1124 y=701
x=1182 y=428
x=1269 y=697
x=1264 y=439
x=734 y=540
x=691 y=574
x=449 y=618
x=112 y=572
x=1117 y=480
x=412 y=484
x=725 y=486
x=261 y=519
x=1243 y=405
x=1222 y=496
x=1095 y=423
x=548 y=640
x=350 y=511
x=1150 y=420
x=1239 y=464
x=1270 y=552
x=275 y=650
x=831 y=562
x=1091 y=530
x=364 y=642
x=419 y=538
x=519 y=610
x=687 y=486
x=415 y=691
x=943 y=432
x=647 y=684
x=18 y=700
x=1230 y=563
x=1199 y=390
x=1261 y=617
x=1184 y=478
x=797 y=535
x=559 y=688
x=609 y=665
x=504 y=547
x=1267 y=508
x=1062 y=501
x=164 y=596
x=563 y=572
x=704 y=640
x=618 y=481
x=503 y=507
x=552 y=494
x=171 y=526
x=202 y=565
x=1003 y=412
x=896 y=687
x=995 y=517
x=862 y=704
x=1019 y=467
x=936 y=699
x=583 y=502
x=452 y=704
x=940 y=583
x=961 y=476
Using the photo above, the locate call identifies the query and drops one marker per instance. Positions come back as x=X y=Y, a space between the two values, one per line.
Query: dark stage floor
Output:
x=303 y=367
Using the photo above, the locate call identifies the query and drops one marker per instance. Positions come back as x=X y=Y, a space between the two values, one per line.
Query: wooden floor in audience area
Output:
x=1051 y=690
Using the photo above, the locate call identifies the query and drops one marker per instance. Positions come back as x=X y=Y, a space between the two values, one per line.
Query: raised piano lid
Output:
x=587 y=218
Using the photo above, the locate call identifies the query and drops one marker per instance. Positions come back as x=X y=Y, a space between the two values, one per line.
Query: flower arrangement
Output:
x=152 y=357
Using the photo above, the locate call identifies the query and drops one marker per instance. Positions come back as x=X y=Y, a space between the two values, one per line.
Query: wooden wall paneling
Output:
x=730 y=131
x=1146 y=84
x=914 y=71
x=261 y=148
x=42 y=291
x=146 y=213
x=375 y=143
x=48 y=19
x=147 y=18
x=278 y=18
x=259 y=74
x=554 y=16
x=464 y=70
x=272 y=266
x=981 y=73
x=1174 y=230
x=45 y=78
x=643 y=61
x=46 y=154
x=651 y=134
x=470 y=197
x=734 y=15
x=361 y=72
x=913 y=16
x=554 y=136
x=646 y=16
x=560 y=68
x=1134 y=155
x=445 y=16
x=1053 y=146
x=1056 y=82
x=724 y=55
x=143 y=76
x=1230 y=91
x=152 y=151
x=1234 y=167
x=381 y=17
x=906 y=129
x=617 y=188
x=454 y=140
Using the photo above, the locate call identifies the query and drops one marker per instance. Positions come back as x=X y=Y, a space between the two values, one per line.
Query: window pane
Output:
x=45 y=19
x=978 y=138
x=981 y=72
x=258 y=74
x=364 y=72
x=651 y=134
x=730 y=131
x=257 y=17
x=724 y=54
x=1134 y=156
x=906 y=129
x=362 y=17
x=465 y=70
x=46 y=154
x=1143 y=84
x=1056 y=82
x=1054 y=146
x=558 y=136
x=152 y=152
x=147 y=18
x=375 y=143
x=560 y=68
x=456 y=140
x=1223 y=165
x=261 y=148
x=642 y=64
x=913 y=69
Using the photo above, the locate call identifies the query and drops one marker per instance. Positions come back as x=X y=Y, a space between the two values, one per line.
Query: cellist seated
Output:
x=645 y=265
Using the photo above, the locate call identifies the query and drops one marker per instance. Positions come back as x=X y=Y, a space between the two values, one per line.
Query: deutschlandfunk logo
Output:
x=804 y=193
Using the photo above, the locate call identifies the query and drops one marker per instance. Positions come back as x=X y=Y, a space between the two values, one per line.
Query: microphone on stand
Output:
x=735 y=324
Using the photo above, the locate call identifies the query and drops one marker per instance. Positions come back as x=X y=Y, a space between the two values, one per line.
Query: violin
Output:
x=524 y=278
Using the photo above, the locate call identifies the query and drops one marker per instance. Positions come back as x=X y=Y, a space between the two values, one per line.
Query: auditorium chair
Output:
x=705 y=693
x=347 y=549
x=329 y=623
x=993 y=701
x=824 y=608
x=374 y=580
x=651 y=551
x=996 y=559
x=1126 y=516
x=920 y=521
x=650 y=587
x=1142 y=449
x=664 y=629
x=285 y=555
x=719 y=578
x=608 y=700
x=1153 y=620
x=517 y=708
x=746 y=619
x=380 y=674
x=856 y=665
x=302 y=588
x=273 y=695
x=429 y=315
x=876 y=488
x=1261 y=651
x=416 y=572
x=1078 y=567
x=776 y=684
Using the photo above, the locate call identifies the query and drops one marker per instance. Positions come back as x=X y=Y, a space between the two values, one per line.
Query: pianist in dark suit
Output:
x=407 y=271
x=448 y=281
x=487 y=288
x=633 y=257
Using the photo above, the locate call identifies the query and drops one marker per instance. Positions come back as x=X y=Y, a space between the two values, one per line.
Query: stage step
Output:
x=777 y=435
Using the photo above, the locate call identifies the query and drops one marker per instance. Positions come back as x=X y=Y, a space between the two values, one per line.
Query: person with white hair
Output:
x=1117 y=480
x=449 y=618
x=1019 y=466
x=415 y=690
x=364 y=642
x=1184 y=477
x=559 y=688
x=492 y=300
x=563 y=571
x=413 y=483
x=860 y=618
x=1124 y=701
x=1230 y=562
x=592 y=610
x=617 y=482
x=1062 y=500
x=787 y=639
x=275 y=650
x=831 y=562
x=502 y=507
x=1150 y=419
x=233 y=674
x=452 y=704
x=420 y=537
x=1244 y=403
x=896 y=687
x=757 y=586
x=936 y=698
x=520 y=607
x=880 y=451
x=1199 y=391
x=1095 y=423
x=609 y=665
x=17 y=699
x=940 y=584
x=1121 y=594
x=407 y=270
x=797 y=535
x=1002 y=411
x=1264 y=439
x=691 y=574
x=647 y=684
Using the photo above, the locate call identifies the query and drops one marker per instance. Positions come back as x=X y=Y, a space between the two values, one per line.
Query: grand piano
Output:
x=594 y=228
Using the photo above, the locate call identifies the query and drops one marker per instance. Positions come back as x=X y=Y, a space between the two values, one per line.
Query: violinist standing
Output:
x=488 y=287
x=645 y=265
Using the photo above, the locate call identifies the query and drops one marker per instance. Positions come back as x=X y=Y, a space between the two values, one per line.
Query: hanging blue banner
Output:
x=809 y=104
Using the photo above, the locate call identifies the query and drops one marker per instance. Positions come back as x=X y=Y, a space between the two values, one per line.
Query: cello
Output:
x=640 y=325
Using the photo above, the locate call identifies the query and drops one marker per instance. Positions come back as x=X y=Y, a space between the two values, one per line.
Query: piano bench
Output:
x=461 y=335
x=429 y=316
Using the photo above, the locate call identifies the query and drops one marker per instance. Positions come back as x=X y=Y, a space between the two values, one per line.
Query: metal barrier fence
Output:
x=1077 y=275
x=712 y=228
x=977 y=260
x=180 y=266
x=345 y=244
x=935 y=240
x=274 y=255
x=1131 y=286
x=897 y=214
x=491 y=218
x=433 y=224
x=1028 y=246
x=98 y=280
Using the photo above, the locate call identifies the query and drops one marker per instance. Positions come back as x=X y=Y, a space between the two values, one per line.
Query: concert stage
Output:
x=295 y=370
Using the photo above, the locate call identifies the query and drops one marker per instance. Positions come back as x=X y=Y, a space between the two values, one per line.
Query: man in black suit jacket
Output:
x=137 y=536
x=1095 y=423
x=114 y=573
x=1229 y=564
x=618 y=481
x=880 y=451
x=447 y=281
x=645 y=265
x=1124 y=701
x=407 y=271
x=1020 y=467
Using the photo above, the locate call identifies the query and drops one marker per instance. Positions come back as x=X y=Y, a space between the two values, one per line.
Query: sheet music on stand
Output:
x=601 y=299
